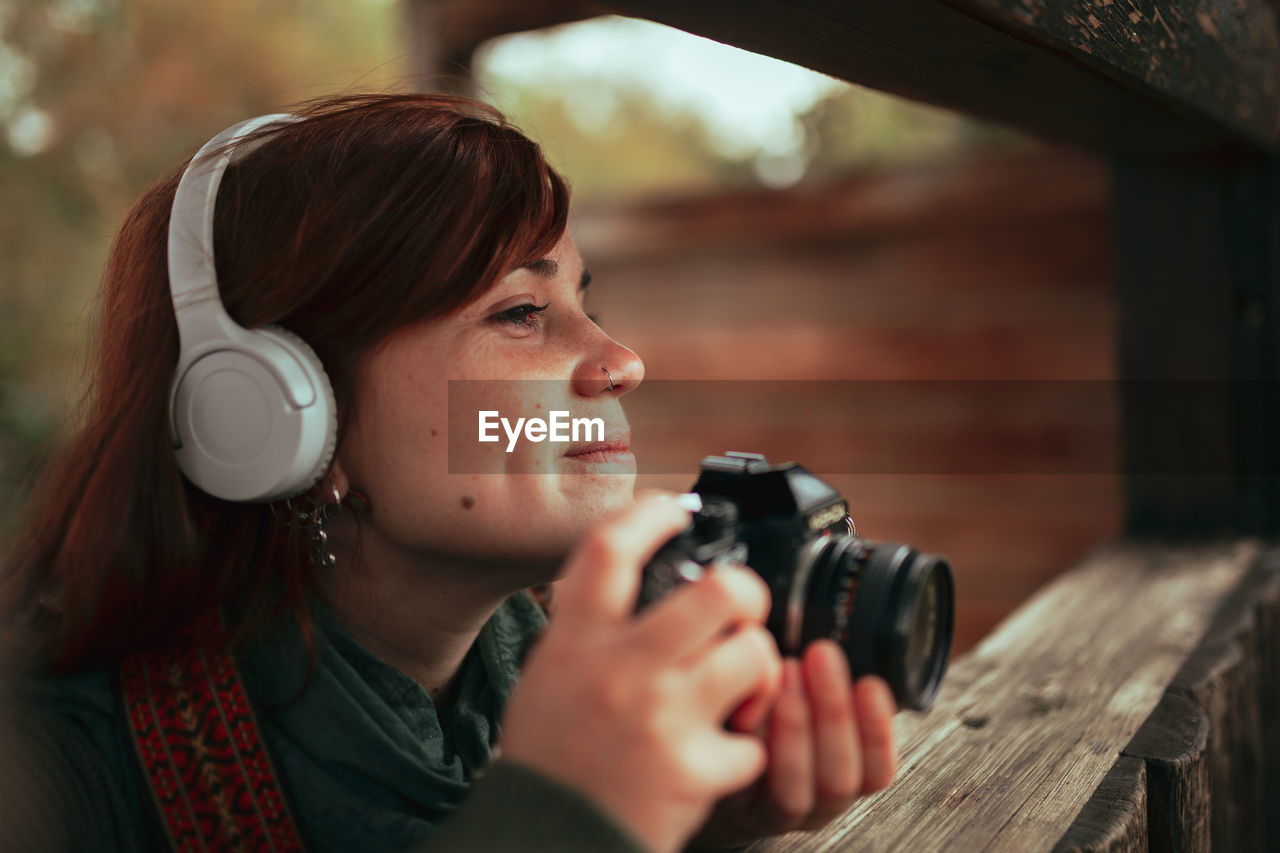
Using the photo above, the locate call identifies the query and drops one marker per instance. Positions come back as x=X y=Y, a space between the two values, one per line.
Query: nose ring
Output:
x=606 y=373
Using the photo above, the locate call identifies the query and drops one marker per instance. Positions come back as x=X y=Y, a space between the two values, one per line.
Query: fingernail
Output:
x=739 y=576
x=661 y=498
x=766 y=642
x=690 y=501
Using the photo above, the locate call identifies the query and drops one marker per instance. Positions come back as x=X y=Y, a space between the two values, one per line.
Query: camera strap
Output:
x=200 y=748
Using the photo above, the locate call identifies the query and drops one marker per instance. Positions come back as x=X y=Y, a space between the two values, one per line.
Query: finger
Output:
x=789 y=779
x=873 y=702
x=838 y=761
x=738 y=666
x=729 y=762
x=602 y=575
x=753 y=715
x=686 y=620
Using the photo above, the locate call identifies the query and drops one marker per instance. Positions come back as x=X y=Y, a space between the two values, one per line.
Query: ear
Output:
x=336 y=478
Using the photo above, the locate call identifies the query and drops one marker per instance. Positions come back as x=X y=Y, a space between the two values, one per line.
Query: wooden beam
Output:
x=1120 y=75
x=1197 y=249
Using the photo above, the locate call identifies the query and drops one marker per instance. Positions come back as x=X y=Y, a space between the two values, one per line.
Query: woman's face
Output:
x=524 y=348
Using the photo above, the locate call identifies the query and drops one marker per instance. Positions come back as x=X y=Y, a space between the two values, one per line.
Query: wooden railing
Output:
x=1133 y=704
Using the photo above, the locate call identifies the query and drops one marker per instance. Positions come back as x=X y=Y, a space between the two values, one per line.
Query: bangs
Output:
x=516 y=209
x=400 y=209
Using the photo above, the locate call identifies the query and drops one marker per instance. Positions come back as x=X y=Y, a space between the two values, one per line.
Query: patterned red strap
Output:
x=202 y=752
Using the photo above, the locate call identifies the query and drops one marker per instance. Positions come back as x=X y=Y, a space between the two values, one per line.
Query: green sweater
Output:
x=364 y=757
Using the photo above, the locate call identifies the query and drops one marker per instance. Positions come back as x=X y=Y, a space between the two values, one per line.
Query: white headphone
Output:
x=251 y=411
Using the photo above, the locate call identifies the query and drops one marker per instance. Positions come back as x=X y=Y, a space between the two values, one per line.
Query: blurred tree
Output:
x=633 y=146
x=614 y=134
x=97 y=99
x=855 y=128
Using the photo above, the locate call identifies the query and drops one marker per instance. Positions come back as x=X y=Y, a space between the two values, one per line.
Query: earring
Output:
x=314 y=519
x=320 y=553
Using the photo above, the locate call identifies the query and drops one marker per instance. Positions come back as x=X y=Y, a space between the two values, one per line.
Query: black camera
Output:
x=889 y=607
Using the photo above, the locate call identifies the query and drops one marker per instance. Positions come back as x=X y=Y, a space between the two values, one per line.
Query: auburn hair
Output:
x=372 y=213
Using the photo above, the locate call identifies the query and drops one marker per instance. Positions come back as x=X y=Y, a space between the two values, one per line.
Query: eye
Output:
x=522 y=316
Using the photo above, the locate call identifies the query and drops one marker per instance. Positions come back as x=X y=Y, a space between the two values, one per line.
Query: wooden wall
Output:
x=990 y=277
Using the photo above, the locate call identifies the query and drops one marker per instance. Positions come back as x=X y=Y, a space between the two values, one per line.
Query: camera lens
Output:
x=889 y=607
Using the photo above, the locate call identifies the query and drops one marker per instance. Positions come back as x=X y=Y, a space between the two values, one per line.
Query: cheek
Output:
x=507 y=516
x=490 y=517
x=436 y=489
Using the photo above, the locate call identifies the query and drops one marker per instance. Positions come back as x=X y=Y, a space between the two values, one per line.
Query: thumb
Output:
x=602 y=575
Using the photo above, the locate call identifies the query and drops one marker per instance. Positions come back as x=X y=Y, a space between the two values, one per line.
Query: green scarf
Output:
x=367 y=761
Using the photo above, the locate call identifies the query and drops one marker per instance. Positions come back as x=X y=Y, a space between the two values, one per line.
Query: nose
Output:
x=612 y=369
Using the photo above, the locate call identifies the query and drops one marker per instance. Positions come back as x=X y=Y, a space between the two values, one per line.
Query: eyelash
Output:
x=522 y=316
x=526 y=316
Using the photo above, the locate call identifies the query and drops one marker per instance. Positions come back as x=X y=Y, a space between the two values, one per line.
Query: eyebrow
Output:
x=547 y=268
x=543 y=268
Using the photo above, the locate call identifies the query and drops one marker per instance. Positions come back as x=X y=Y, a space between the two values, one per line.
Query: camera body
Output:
x=889 y=607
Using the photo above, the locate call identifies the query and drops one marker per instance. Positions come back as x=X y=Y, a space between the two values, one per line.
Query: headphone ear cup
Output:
x=255 y=418
x=324 y=437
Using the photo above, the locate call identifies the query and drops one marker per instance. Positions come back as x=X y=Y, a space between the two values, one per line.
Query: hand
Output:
x=631 y=710
x=829 y=743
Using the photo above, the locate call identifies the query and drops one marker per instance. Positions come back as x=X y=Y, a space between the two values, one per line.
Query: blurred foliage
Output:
x=645 y=149
x=615 y=140
x=858 y=128
x=100 y=97
x=97 y=99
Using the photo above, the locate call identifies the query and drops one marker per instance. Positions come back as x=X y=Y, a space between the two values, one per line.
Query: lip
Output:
x=614 y=449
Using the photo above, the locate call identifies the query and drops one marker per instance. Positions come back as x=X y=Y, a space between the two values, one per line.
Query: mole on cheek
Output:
x=468 y=502
x=433 y=432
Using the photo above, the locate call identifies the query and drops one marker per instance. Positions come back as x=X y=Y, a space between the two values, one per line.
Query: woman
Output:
x=419 y=245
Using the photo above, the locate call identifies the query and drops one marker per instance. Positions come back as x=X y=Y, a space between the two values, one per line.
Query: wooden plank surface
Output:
x=1210 y=749
x=1115 y=818
x=1131 y=75
x=1031 y=722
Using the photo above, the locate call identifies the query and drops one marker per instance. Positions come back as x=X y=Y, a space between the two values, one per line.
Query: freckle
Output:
x=468 y=502
x=433 y=432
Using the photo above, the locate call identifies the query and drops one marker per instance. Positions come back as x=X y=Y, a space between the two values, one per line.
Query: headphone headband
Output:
x=192 y=278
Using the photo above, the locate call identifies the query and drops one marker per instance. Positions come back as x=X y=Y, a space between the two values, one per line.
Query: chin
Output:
x=594 y=497
x=585 y=501
x=541 y=521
